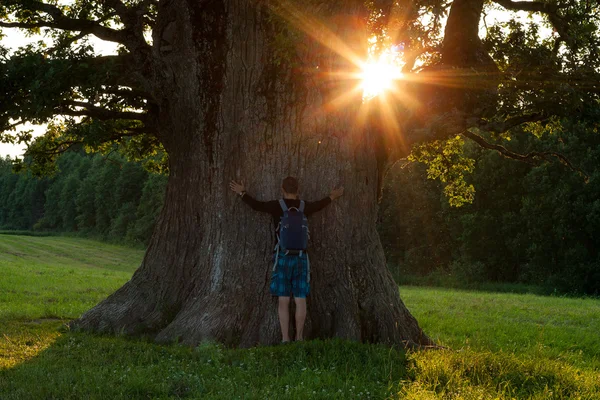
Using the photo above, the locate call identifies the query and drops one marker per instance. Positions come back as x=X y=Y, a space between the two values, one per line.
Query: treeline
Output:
x=531 y=224
x=95 y=196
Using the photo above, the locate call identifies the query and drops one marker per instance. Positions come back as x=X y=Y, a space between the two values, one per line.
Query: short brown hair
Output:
x=290 y=185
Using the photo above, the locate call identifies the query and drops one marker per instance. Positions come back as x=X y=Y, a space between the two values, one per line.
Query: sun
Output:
x=378 y=76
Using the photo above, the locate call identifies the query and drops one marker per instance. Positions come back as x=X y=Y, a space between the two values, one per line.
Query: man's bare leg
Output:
x=284 y=318
x=300 y=316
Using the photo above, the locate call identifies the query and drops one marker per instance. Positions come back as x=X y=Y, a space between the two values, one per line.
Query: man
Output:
x=291 y=272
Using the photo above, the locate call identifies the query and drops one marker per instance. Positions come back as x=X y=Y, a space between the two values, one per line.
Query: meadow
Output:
x=498 y=345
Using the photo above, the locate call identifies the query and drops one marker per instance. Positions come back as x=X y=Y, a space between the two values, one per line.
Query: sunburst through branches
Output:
x=379 y=73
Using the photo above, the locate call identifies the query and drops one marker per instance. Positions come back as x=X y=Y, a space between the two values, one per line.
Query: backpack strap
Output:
x=276 y=254
x=301 y=209
x=283 y=206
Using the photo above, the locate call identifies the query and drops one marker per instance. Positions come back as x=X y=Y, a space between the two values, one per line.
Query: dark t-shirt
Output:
x=272 y=207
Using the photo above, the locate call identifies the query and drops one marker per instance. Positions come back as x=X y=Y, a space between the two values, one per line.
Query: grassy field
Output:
x=500 y=346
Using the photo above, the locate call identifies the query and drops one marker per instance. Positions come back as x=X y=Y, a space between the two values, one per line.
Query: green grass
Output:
x=58 y=277
x=554 y=328
x=501 y=346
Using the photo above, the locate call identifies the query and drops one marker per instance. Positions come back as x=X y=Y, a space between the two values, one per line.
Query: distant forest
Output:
x=98 y=197
x=535 y=224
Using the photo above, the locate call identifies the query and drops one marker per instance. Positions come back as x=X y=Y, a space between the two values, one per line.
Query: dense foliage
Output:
x=104 y=197
x=535 y=224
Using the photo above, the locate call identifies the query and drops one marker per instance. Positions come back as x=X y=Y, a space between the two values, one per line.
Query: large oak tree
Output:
x=258 y=90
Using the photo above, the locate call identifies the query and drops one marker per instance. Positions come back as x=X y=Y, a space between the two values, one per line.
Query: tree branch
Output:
x=13 y=125
x=65 y=43
x=530 y=157
x=132 y=94
x=65 y=145
x=86 y=27
x=551 y=10
x=132 y=18
x=60 y=147
x=98 y=112
x=140 y=131
x=531 y=6
x=103 y=114
x=130 y=15
x=462 y=46
x=118 y=6
x=62 y=22
x=503 y=126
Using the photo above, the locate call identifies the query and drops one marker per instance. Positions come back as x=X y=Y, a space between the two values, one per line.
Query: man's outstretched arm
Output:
x=313 y=207
x=240 y=189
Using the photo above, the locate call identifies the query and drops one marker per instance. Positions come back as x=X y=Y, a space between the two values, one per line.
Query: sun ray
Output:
x=316 y=29
x=344 y=98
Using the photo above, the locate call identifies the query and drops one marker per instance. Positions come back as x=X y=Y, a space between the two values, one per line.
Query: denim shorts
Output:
x=291 y=276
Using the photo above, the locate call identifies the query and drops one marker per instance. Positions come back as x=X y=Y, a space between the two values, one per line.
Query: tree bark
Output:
x=234 y=105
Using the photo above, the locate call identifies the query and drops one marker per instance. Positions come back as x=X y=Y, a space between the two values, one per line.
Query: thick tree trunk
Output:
x=235 y=107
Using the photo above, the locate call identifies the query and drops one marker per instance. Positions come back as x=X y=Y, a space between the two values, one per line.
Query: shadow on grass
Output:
x=84 y=366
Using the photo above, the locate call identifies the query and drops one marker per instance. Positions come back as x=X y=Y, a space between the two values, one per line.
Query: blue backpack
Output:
x=293 y=229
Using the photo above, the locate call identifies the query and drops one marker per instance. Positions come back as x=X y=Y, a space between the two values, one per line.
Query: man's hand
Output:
x=335 y=193
x=237 y=187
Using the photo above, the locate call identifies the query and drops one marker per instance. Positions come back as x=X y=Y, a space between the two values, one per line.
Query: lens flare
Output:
x=377 y=77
